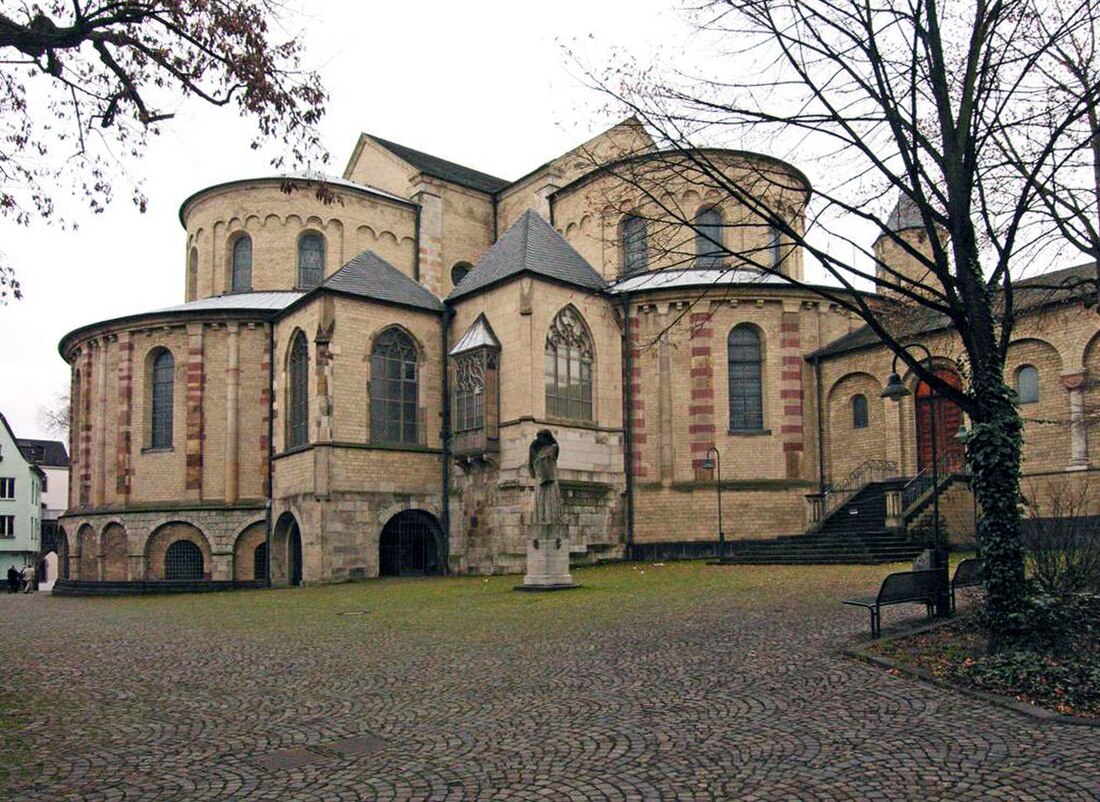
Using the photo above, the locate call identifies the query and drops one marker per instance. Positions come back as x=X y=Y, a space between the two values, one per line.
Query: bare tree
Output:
x=85 y=83
x=55 y=418
x=901 y=100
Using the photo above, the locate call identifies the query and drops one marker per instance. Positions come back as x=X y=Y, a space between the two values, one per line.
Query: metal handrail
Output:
x=873 y=470
x=917 y=487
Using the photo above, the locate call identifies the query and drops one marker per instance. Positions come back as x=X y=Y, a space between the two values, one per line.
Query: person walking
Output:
x=28 y=579
x=13 y=580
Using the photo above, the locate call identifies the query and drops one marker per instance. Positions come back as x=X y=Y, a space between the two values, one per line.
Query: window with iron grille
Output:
x=163 y=395
x=469 y=413
x=709 y=243
x=297 y=429
x=242 y=264
x=635 y=254
x=1027 y=385
x=745 y=380
x=311 y=260
x=568 y=367
x=859 y=411
x=393 y=389
x=183 y=560
x=7 y=487
x=259 y=562
x=7 y=526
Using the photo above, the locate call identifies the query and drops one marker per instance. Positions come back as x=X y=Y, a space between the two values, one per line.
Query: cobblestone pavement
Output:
x=301 y=694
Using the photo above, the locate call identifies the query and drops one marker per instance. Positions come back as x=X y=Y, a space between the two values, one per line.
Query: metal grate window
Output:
x=160 y=432
x=709 y=244
x=297 y=430
x=635 y=254
x=242 y=264
x=568 y=367
x=745 y=380
x=859 y=411
x=311 y=260
x=183 y=560
x=409 y=545
x=393 y=388
x=259 y=562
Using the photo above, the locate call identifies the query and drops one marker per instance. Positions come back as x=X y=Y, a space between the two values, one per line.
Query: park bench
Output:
x=903 y=587
x=969 y=574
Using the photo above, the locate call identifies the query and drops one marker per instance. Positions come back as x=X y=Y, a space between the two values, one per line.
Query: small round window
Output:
x=459 y=271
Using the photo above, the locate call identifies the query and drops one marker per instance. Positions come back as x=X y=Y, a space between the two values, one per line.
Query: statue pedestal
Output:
x=547 y=559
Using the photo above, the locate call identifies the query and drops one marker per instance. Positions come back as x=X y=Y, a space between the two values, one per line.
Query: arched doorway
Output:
x=409 y=545
x=250 y=553
x=948 y=418
x=286 y=551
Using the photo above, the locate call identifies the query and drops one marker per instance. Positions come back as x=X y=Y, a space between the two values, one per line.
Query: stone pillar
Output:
x=664 y=400
x=85 y=435
x=232 y=402
x=193 y=408
x=701 y=407
x=221 y=565
x=547 y=558
x=266 y=405
x=428 y=194
x=124 y=439
x=791 y=427
x=637 y=410
x=1075 y=384
x=99 y=485
x=894 y=510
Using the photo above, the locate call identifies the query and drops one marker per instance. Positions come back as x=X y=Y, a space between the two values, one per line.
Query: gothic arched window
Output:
x=297 y=420
x=635 y=254
x=745 y=379
x=393 y=388
x=242 y=264
x=162 y=373
x=709 y=244
x=568 y=367
x=1027 y=385
x=859 y=411
x=311 y=260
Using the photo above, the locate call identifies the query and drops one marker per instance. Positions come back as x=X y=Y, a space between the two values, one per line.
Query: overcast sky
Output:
x=485 y=84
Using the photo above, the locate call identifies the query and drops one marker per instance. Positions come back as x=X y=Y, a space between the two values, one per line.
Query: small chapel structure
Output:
x=349 y=389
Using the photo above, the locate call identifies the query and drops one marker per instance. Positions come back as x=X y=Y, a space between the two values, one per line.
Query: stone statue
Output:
x=542 y=462
x=548 y=545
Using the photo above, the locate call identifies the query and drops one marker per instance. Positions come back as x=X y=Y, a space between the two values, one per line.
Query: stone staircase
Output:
x=855 y=533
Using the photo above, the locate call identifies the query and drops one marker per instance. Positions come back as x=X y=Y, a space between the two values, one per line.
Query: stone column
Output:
x=100 y=483
x=1075 y=384
x=664 y=401
x=232 y=399
x=701 y=425
x=193 y=408
x=791 y=427
x=124 y=440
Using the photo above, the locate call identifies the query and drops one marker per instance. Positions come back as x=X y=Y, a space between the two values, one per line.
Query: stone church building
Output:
x=349 y=388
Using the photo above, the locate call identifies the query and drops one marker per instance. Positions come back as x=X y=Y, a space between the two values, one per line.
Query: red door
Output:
x=948 y=418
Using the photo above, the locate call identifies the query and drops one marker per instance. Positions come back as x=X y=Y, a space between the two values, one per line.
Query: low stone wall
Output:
x=77 y=587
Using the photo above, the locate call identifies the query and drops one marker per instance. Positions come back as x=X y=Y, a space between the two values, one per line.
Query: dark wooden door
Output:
x=948 y=418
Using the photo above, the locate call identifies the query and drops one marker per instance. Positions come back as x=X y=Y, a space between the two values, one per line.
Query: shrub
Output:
x=1063 y=541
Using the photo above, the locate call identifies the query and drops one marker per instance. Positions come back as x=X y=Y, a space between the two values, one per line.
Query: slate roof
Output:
x=906 y=215
x=479 y=334
x=694 y=277
x=907 y=321
x=368 y=275
x=273 y=301
x=46 y=453
x=530 y=245
x=441 y=168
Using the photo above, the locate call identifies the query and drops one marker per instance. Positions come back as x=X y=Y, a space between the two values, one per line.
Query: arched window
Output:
x=568 y=367
x=1027 y=385
x=297 y=419
x=162 y=372
x=709 y=244
x=193 y=274
x=393 y=388
x=635 y=254
x=183 y=560
x=774 y=254
x=311 y=260
x=459 y=272
x=859 y=411
x=242 y=264
x=745 y=379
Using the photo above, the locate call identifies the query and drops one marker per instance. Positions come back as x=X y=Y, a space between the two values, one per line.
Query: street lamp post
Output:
x=896 y=391
x=708 y=464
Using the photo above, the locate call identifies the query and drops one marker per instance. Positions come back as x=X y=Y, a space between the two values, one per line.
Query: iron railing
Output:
x=873 y=470
x=917 y=489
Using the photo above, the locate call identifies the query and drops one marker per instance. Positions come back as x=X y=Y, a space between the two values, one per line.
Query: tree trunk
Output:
x=993 y=452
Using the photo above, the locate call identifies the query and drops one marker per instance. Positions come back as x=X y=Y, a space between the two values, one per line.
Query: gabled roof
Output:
x=47 y=453
x=441 y=168
x=530 y=245
x=368 y=275
x=479 y=334
x=905 y=215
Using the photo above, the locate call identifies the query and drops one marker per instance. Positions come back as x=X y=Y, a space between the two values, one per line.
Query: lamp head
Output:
x=707 y=464
x=894 y=389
